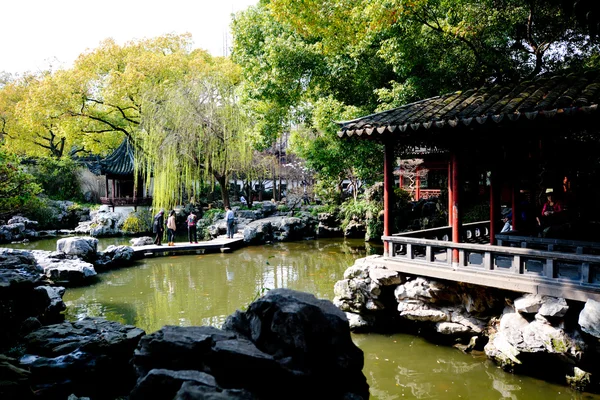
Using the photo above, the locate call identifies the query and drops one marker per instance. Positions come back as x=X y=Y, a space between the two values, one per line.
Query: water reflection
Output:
x=205 y=289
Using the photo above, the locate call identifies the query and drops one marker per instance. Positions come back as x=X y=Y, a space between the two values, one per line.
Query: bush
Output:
x=138 y=222
x=58 y=178
x=18 y=189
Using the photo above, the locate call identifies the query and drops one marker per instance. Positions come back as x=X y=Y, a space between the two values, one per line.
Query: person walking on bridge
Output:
x=171 y=228
x=230 y=220
x=191 y=223
x=158 y=227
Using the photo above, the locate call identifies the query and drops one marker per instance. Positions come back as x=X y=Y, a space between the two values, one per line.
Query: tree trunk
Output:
x=224 y=192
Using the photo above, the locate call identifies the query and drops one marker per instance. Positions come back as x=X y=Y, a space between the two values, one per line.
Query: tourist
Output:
x=171 y=228
x=507 y=220
x=230 y=220
x=191 y=224
x=158 y=227
x=243 y=200
x=550 y=211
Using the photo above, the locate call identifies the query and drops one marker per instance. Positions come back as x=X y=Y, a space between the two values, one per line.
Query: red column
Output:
x=450 y=193
x=493 y=207
x=388 y=191
x=514 y=206
x=113 y=191
x=456 y=223
x=418 y=186
x=400 y=177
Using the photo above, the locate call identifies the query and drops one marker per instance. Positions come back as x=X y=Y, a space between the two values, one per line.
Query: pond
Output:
x=205 y=289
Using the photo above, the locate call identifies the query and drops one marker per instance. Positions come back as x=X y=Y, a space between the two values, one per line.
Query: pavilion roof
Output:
x=120 y=162
x=547 y=96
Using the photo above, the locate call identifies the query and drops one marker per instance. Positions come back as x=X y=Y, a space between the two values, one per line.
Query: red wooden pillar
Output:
x=456 y=222
x=400 y=177
x=494 y=204
x=106 y=178
x=450 y=193
x=514 y=206
x=418 y=186
x=114 y=188
x=388 y=191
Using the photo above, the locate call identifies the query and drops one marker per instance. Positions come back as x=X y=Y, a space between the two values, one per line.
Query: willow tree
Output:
x=193 y=132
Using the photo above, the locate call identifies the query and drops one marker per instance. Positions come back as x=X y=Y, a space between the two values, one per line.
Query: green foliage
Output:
x=479 y=212
x=368 y=211
x=283 y=208
x=326 y=208
x=58 y=177
x=42 y=212
x=18 y=189
x=138 y=222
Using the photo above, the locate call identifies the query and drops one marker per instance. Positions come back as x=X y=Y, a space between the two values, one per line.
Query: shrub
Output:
x=58 y=178
x=18 y=189
x=138 y=222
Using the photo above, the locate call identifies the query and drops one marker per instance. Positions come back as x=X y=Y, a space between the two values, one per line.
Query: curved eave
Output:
x=370 y=131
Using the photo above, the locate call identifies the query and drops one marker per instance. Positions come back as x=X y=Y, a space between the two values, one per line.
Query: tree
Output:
x=18 y=190
x=193 y=131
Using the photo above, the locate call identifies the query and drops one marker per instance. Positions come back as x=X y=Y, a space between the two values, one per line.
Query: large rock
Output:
x=310 y=337
x=81 y=247
x=286 y=345
x=90 y=357
x=58 y=267
x=142 y=241
x=536 y=346
x=589 y=318
x=114 y=257
x=103 y=223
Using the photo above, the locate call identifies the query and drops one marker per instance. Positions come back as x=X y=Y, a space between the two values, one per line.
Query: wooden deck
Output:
x=220 y=244
x=572 y=275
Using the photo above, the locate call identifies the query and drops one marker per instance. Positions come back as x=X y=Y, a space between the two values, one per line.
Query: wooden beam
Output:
x=449 y=193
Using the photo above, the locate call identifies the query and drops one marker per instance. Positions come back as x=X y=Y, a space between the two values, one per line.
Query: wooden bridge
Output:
x=220 y=244
x=553 y=267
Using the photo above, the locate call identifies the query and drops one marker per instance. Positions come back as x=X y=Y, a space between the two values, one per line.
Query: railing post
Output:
x=517 y=266
x=585 y=272
x=487 y=261
x=388 y=191
x=549 y=269
x=429 y=253
x=409 y=251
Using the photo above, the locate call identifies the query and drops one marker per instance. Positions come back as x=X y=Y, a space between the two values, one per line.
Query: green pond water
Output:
x=205 y=289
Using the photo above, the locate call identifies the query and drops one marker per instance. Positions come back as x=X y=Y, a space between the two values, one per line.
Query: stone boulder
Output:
x=258 y=232
x=329 y=225
x=12 y=232
x=286 y=345
x=64 y=269
x=536 y=346
x=355 y=229
x=81 y=247
x=589 y=318
x=102 y=224
x=23 y=296
x=142 y=241
x=310 y=338
x=90 y=357
x=114 y=257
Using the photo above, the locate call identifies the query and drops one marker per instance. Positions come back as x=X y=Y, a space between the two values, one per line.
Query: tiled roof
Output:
x=543 y=97
x=120 y=162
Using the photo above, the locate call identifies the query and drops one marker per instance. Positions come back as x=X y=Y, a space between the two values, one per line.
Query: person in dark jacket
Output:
x=158 y=227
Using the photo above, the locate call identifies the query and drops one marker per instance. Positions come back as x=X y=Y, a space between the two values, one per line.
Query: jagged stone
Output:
x=589 y=318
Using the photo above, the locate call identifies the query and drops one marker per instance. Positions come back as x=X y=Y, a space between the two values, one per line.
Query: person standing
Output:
x=191 y=224
x=230 y=220
x=158 y=227
x=171 y=228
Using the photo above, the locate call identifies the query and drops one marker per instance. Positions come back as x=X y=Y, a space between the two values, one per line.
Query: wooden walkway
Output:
x=220 y=244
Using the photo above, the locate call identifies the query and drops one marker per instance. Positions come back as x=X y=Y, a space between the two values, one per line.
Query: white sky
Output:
x=36 y=34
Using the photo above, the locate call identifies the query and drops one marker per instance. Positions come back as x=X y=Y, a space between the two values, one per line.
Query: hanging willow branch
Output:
x=192 y=132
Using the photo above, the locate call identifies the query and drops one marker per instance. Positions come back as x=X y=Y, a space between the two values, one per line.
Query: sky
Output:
x=38 y=34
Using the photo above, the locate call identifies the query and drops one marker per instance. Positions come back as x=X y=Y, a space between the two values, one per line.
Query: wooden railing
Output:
x=549 y=244
x=568 y=275
x=469 y=232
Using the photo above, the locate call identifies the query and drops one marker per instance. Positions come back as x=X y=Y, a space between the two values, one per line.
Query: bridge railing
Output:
x=506 y=262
